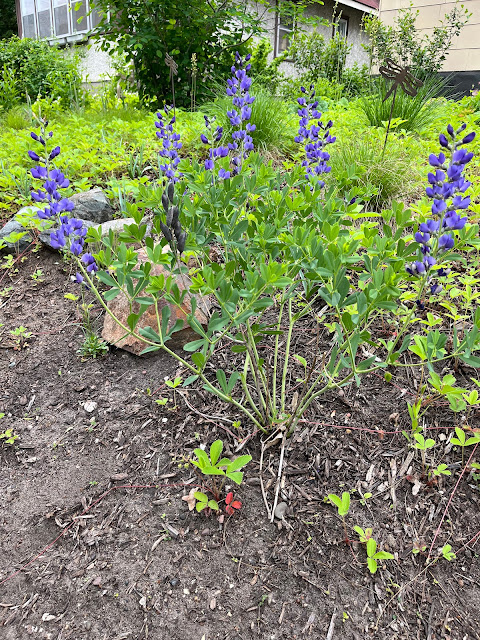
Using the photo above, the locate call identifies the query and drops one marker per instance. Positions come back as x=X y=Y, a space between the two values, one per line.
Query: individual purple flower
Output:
x=90 y=263
x=446 y=242
x=314 y=137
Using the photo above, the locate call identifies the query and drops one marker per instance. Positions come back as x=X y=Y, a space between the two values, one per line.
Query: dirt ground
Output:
x=136 y=564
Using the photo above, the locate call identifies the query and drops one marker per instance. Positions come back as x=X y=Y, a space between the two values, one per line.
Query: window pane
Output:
x=79 y=19
x=342 y=27
x=95 y=18
x=60 y=13
x=283 y=39
x=27 y=9
x=44 y=19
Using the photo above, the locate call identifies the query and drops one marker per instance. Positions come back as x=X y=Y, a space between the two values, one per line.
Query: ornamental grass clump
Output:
x=315 y=136
x=447 y=188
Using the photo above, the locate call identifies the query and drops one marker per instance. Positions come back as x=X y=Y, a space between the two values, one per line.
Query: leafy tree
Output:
x=144 y=31
x=403 y=42
x=8 y=19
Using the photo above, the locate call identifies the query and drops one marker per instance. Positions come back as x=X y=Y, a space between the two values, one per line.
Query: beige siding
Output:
x=465 y=52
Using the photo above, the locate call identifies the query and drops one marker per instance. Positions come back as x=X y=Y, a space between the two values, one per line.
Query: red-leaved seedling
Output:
x=232 y=505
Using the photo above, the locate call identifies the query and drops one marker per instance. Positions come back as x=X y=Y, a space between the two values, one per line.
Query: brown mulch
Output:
x=136 y=564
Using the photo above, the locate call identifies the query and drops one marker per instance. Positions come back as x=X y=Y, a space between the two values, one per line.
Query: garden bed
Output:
x=136 y=563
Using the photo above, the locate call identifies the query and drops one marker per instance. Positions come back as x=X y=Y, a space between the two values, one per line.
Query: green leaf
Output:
x=213 y=504
x=198 y=359
x=189 y=380
x=209 y=470
x=202 y=457
x=371 y=547
x=372 y=565
x=194 y=345
x=215 y=451
x=201 y=496
x=222 y=379
x=236 y=476
x=238 y=463
x=383 y=555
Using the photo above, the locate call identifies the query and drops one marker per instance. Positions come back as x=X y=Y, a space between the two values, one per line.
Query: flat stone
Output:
x=116 y=225
x=120 y=307
x=22 y=244
x=92 y=205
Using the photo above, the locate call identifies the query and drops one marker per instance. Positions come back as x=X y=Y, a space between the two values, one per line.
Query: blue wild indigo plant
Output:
x=238 y=88
x=70 y=232
x=170 y=144
x=447 y=188
x=315 y=136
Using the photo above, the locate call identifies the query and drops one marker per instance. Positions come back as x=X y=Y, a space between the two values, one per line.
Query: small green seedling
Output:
x=20 y=336
x=447 y=552
x=363 y=535
x=342 y=504
x=365 y=497
x=213 y=466
x=8 y=436
x=203 y=502
x=421 y=443
x=173 y=384
x=462 y=441
x=373 y=555
x=441 y=470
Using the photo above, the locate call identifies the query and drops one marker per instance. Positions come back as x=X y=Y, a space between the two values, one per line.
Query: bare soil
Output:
x=84 y=555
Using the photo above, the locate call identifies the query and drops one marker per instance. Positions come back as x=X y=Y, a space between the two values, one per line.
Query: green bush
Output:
x=317 y=59
x=38 y=69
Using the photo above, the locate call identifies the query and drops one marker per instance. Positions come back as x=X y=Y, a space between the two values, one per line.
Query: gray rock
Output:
x=23 y=243
x=116 y=225
x=92 y=205
x=280 y=510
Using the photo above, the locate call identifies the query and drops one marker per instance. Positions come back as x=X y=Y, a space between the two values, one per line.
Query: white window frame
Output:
x=282 y=34
x=75 y=32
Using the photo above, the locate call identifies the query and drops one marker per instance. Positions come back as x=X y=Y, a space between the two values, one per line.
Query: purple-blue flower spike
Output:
x=314 y=135
x=210 y=138
x=170 y=145
x=447 y=187
x=71 y=232
x=238 y=87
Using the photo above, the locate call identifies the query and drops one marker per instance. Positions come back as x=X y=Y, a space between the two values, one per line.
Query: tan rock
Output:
x=114 y=334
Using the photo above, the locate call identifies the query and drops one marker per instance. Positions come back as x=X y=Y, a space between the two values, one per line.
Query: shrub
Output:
x=39 y=69
x=315 y=59
x=403 y=43
x=415 y=113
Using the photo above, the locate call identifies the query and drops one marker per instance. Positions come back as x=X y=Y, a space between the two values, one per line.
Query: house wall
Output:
x=356 y=37
x=96 y=65
x=464 y=56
